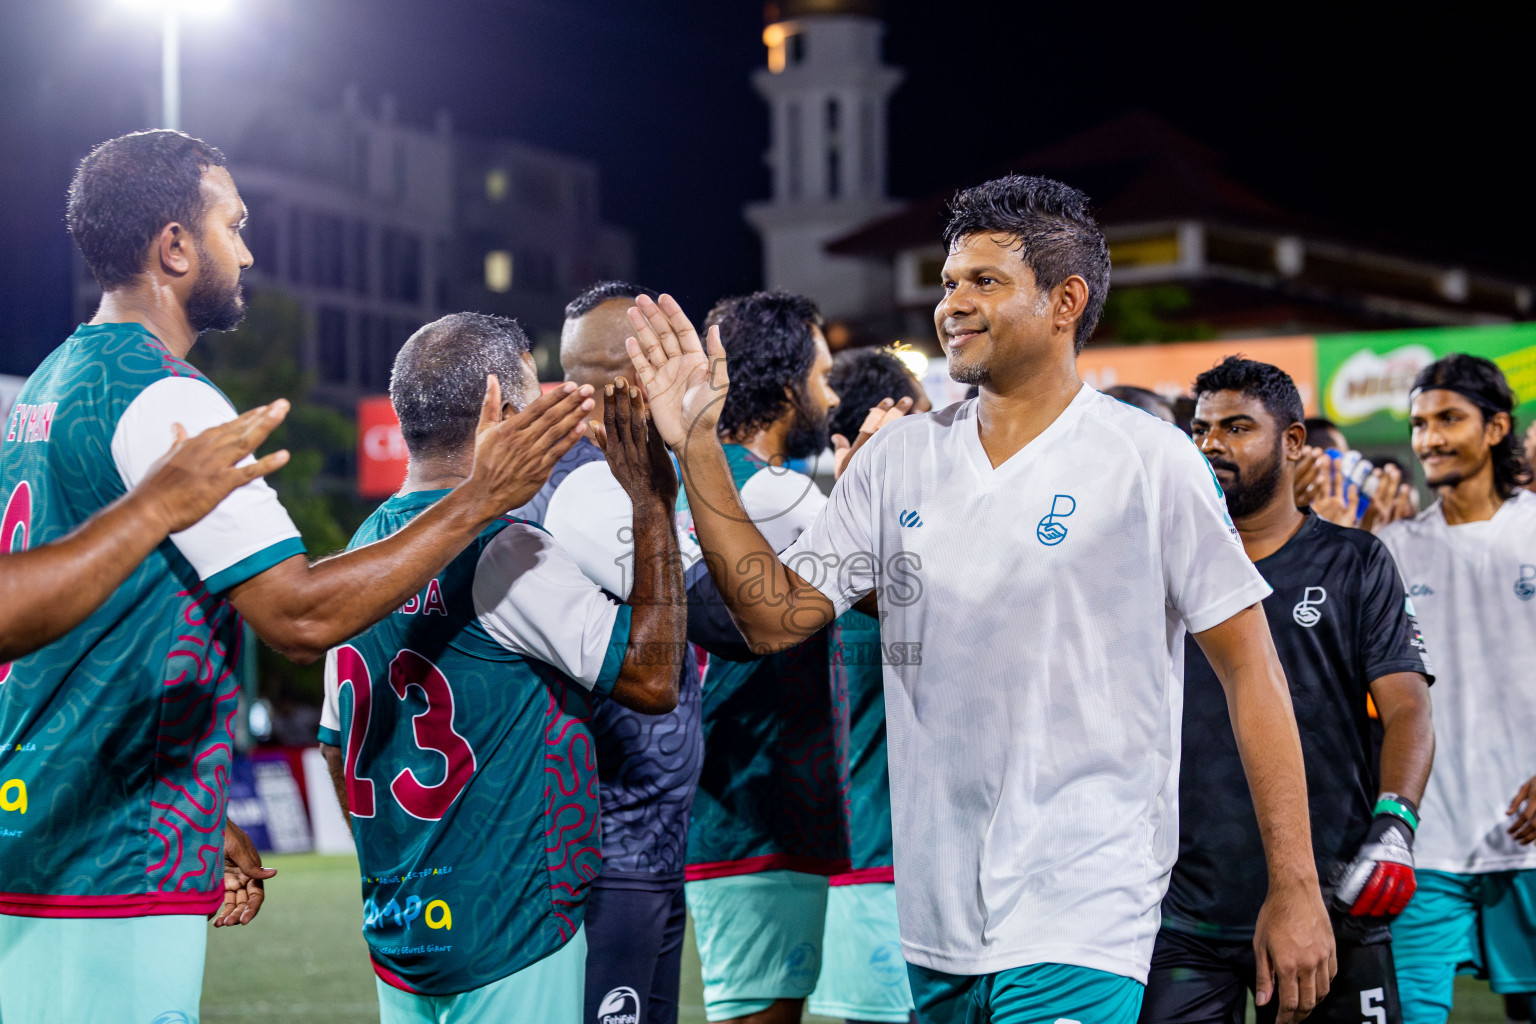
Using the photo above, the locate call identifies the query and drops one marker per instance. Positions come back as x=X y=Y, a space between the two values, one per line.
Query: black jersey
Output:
x=1340 y=617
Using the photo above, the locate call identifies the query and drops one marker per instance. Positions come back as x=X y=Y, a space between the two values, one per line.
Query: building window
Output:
x=261 y=232
x=357 y=258
x=496 y=184
x=401 y=265
x=400 y=166
x=362 y=153
x=792 y=133
x=296 y=245
x=796 y=46
x=331 y=339
x=867 y=171
x=328 y=256
x=834 y=153
x=498 y=270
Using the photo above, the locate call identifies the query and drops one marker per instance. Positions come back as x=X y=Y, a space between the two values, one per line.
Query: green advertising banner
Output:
x=1364 y=379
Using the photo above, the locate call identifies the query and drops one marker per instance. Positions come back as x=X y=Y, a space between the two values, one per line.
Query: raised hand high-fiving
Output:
x=685 y=379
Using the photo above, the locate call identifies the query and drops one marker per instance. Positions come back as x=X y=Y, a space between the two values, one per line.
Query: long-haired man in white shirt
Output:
x=1470 y=564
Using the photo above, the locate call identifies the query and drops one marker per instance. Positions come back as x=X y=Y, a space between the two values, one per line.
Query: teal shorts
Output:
x=1037 y=994
x=74 y=970
x=759 y=938
x=863 y=976
x=1482 y=924
x=552 y=989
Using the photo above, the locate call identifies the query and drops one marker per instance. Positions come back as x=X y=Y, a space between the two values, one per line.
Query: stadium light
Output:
x=171 y=12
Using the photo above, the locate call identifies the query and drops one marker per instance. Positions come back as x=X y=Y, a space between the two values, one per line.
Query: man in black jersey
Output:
x=1344 y=631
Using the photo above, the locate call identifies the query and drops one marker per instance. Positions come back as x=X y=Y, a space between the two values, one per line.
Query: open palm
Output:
x=685 y=381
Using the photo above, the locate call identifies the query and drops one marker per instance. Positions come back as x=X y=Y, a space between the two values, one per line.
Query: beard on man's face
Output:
x=1248 y=492
x=214 y=305
x=808 y=434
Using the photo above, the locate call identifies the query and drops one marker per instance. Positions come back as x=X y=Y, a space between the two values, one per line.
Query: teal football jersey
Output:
x=470 y=769
x=772 y=791
x=115 y=740
x=858 y=671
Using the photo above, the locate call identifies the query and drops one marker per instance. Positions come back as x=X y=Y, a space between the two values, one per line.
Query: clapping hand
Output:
x=685 y=379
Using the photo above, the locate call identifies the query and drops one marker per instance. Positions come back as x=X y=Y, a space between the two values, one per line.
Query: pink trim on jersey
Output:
x=864 y=876
x=767 y=862
x=148 y=904
x=392 y=979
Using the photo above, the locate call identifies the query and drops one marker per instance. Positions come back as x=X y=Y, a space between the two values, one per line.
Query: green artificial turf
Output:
x=303 y=961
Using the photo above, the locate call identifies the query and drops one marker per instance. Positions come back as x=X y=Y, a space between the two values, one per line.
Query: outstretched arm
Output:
x=647 y=679
x=46 y=592
x=1293 y=941
x=303 y=609
x=686 y=385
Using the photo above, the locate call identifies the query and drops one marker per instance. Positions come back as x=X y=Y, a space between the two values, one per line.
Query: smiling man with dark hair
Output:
x=1067 y=542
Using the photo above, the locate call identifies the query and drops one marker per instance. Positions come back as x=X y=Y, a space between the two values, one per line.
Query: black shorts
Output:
x=1197 y=980
x=634 y=951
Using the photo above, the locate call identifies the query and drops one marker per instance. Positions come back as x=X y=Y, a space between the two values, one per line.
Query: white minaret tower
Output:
x=827 y=90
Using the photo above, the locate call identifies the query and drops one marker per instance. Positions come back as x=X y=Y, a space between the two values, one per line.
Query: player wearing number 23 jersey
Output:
x=470 y=772
x=466 y=754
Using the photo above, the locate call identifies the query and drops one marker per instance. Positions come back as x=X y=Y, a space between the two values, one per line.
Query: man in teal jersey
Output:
x=460 y=724
x=768 y=822
x=49 y=590
x=863 y=976
x=115 y=740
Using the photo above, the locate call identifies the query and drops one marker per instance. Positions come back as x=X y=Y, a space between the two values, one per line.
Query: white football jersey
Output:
x=1033 y=619
x=1474 y=589
x=591 y=515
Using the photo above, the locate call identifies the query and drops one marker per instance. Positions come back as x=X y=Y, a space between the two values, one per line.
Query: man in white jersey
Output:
x=1066 y=541
x=1470 y=564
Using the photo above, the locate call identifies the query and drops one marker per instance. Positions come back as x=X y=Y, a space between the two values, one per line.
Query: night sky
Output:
x=1412 y=133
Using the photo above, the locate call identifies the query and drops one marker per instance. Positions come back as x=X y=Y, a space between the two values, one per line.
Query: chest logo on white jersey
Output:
x=1525 y=586
x=911 y=519
x=1049 y=531
x=1305 y=613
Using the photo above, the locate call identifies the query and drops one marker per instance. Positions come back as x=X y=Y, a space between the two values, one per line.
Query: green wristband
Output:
x=1389 y=804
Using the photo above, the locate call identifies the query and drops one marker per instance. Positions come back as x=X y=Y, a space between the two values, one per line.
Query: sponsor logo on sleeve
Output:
x=1305 y=613
x=1049 y=531
x=619 y=1006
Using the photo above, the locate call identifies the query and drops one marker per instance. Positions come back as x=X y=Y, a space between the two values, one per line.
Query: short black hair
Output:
x=1482 y=382
x=1145 y=399
x=1318 y=429
x=770 y=346
x=127 y=190
x=863 y=378
x=605 y=291
x=1057 y=235
x=1271 y=385
x=438 y=381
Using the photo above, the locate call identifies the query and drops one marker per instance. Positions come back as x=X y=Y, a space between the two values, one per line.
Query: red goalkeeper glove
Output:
x=1379 y=882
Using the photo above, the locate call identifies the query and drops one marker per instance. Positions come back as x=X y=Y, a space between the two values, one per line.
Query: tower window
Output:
x=792 y=115
x=796 y=46
x=834 y=150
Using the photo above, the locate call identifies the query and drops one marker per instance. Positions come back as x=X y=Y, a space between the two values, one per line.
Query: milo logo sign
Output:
x=1368 y=383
